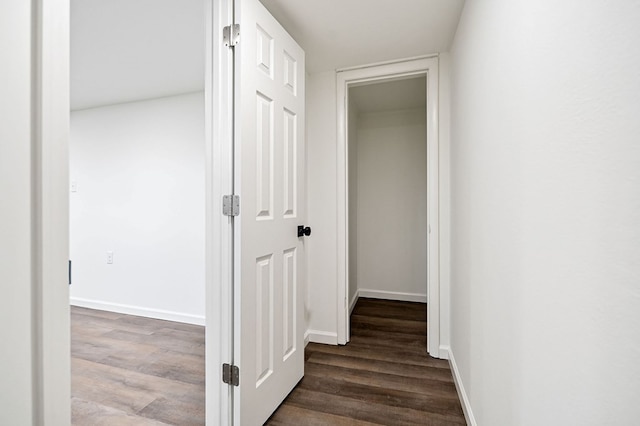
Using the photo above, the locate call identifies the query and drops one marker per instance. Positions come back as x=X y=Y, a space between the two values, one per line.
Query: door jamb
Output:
x=379 y=72
x=218 y=228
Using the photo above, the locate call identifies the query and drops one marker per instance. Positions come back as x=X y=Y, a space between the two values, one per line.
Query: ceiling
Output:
x=407 y=93
x=344 y=33
x=127 y=50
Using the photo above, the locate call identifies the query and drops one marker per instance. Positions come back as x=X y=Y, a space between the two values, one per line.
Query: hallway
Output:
x=383 y=376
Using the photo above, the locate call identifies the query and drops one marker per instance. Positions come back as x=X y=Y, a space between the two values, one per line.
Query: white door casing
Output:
x=427 y=66
x=269 y=169
x=49 y=122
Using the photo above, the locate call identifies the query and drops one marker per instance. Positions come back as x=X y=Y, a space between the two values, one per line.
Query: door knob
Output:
x=302 y=231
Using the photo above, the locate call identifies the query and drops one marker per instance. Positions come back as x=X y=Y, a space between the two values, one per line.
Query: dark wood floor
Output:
x=128 y=370
x=383 y=376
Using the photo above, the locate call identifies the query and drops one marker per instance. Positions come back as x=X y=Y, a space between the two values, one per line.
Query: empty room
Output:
x=137 y=178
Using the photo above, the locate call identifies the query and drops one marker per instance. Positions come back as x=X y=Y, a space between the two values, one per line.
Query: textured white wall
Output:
x=139 y=170
x=545 y=166
x=392 y=203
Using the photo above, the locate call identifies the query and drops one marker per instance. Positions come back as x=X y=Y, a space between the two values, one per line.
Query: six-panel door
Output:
x=269 y=149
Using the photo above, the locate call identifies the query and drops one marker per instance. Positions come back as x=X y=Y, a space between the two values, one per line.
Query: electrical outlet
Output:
x=74 y=186
x=109 y=257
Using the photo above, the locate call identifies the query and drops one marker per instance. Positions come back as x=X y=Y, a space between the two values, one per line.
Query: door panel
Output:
x=269 y=150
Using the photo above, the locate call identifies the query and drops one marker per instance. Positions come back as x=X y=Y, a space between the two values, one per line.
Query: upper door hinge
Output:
x=231 y=35
x=231 y=205
x=230 y=374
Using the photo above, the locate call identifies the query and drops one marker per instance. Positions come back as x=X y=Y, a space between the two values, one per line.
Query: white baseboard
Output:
x=462 y=393
x=352 y=304
x=306 y=338
x=324 y=337
x=443 y=352
x=392 y=295
x=136 y=310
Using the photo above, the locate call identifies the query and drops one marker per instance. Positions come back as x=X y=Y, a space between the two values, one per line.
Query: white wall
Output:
x=139 y=170
x=392 y=205
x=321 y=187
x=545 y=168
x=322 y=147
x=352 y=127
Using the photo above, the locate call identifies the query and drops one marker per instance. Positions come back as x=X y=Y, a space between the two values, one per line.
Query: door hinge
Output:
x=230 y=374
x=231 y=205
x=231 y=35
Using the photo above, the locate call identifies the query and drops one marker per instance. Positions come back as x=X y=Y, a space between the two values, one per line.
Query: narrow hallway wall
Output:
x=545 y=171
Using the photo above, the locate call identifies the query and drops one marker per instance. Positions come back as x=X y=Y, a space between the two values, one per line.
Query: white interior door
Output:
x=269 y=171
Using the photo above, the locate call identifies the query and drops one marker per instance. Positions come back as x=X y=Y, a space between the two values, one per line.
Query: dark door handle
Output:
x=302 y=231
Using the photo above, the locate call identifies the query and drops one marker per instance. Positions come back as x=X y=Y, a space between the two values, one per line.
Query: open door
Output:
x=269 y=177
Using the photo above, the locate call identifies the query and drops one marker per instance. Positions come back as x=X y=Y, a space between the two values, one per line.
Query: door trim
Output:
x=427 y=66
x=50 y=212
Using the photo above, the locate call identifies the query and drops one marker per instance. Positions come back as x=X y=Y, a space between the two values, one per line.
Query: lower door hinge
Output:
x=231 y=205
x=231 y=35
x=230 y=374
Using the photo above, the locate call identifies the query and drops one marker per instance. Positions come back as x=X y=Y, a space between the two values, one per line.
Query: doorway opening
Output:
x=137 y=211
x=387 y=191
x=393 y=76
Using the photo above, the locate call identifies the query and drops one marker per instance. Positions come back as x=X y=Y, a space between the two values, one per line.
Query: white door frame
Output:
x=427 y=66
x=218 y=228
x=51 y=26
x=50 y=172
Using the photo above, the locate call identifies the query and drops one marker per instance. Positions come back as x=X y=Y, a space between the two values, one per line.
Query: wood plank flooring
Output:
x=128 y=370
x=383 y=376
